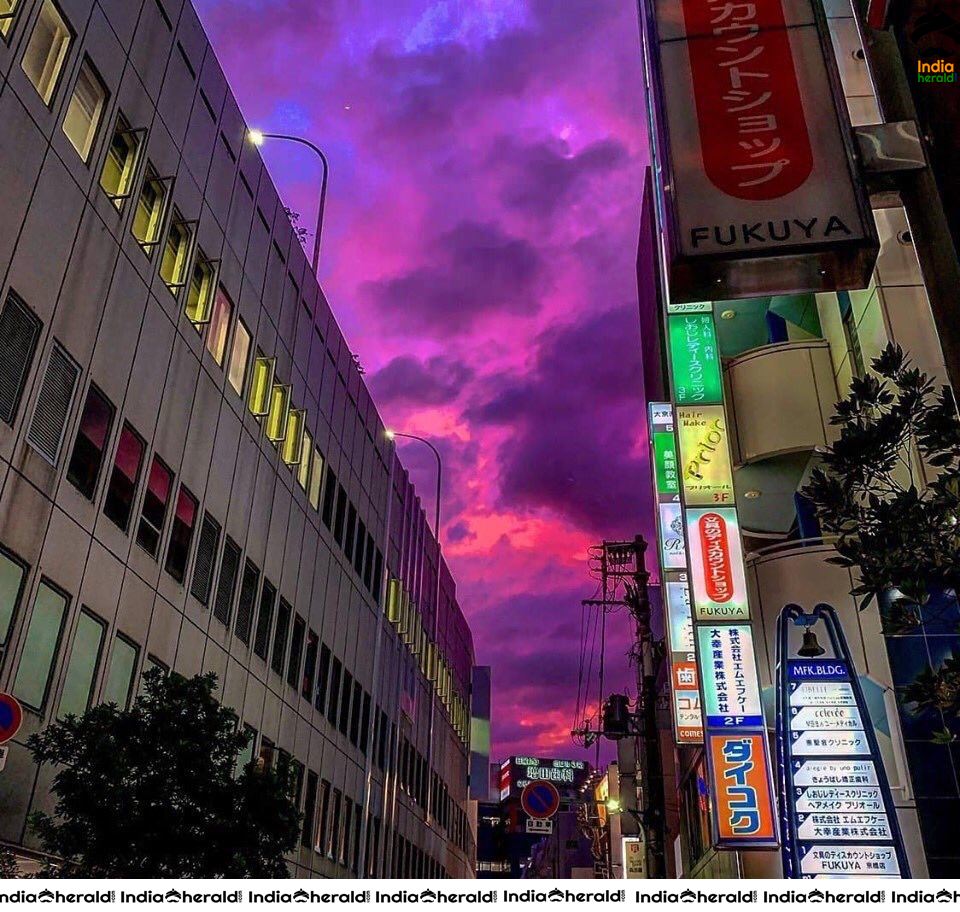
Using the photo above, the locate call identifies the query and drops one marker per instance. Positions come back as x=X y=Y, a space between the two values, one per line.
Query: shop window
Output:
x=85 y=110
x=123 y=480
x=118 y=687
x=181 y=534
x=12 y=577
x=155 y=503
x=200 y=292
x=175 y=261
x=96 y=422
x=151 y=209
x=219 y=327
x=82 y=666
x=40 y=647
x=120 y=166
x=46 y=51
x=239 y=357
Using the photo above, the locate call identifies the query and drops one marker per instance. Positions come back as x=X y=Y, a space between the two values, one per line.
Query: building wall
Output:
x=106 y=320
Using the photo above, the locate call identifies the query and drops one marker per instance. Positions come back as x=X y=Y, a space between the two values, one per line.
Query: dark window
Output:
x=52 y=408
x=361 y=544
x=279 y=654
x=320 y=700
x=19 y=332
x=248 y=598
x=344 y=855
x=155 y=503
x=333 y=704
x=357 y=826
x=365 y=724
x=351 y=531
x=309 y=810
x=377 y=577
x=344 y=724
x=184 y=519
x=323 y=823
x=335 y=835
x=227 y=584
x=206 y=559
x=267 y=751
x=309 y=666
x=329 y=496
x=368 y=563
x=123 y=480
x=355 y=713
x=83 y=472
x=261 y=643
x=341 y=515
x=296 y=650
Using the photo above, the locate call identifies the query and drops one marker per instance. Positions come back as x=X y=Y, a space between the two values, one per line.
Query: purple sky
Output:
x=479 y=252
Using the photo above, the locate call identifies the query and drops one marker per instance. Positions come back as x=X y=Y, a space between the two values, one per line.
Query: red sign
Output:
x=11 y=717
x=742 y=799
x=540 y=800
x=753 y=132
x=715 y=547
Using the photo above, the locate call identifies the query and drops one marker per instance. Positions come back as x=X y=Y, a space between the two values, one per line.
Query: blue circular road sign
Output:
x=540 y=800
x=11 y=716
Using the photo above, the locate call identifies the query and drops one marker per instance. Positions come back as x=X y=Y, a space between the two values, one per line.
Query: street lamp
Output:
x=258 y=138
x=392 y=435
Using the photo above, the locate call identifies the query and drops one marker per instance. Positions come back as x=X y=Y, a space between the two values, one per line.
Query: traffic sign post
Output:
x=11 y=717
x=540 y=800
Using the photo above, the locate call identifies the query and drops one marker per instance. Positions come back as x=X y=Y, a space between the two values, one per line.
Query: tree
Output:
x=153 y=791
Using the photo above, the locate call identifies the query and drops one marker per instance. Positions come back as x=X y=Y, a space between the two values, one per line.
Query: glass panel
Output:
x=199 y=304
x=219 y=326
x=261 y=384
x=184 y=518
x=82 y=669
x=46 y=51
x=40 y=648
x=7 y=10
x=121 y=163
x=148 y=218
x=276 y=425
x=176 y=254
x=85 y=110
x=11 y=587
x=239 y=355
x=245 y=755
x=123 y=480
x=123 y=666
x=91 y=443
x=316 y=479
x=292 y=450
x=303 y=470
x=155 y=501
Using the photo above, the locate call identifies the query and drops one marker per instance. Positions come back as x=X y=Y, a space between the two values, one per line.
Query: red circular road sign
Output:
x=540 y=800
x=11 y=715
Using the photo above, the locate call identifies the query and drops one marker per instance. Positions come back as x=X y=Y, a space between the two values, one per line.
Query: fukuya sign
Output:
x=760 y=190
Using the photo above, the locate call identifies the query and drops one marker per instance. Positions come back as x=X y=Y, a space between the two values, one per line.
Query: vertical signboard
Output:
x=705 y=468
x=694 y=357
x=731 y=691
x=838 y=816
x=743 y=812
x=687 y=718
x=716 y=564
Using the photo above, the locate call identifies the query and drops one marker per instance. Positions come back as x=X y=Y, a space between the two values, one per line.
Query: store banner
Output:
x=705 y=466
x=716 y=564
x=694 y=358
x=731 y=691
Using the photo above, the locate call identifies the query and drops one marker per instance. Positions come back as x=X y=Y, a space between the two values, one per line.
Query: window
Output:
x=219 y=326
x=348 y=541
x=96 y=421
x=316 y=478
x=333 y=703
x=155 y=502
x=345 y=695
x=323 y=826
x=54 y=401
x=8 y=10
x=120 y=166
x=151 y=208
x=40 y=647
x=245 y=754
x=279 y=652
x=239 y=356
x=124 y=478
x=292 y=450
x=184 y=519
x=261 y=643
x=203 y=566
x=227 y=584
x=368 y=563
x=303 y=469
x=85 y=110
x=344 y=855
x=320 y=700
x=265 y=755
x=83 y=664
x=309 y=663
x=19 y=332
x=199 y=306
x=176 y=253
x=361 y=544
x=12 y=576
x=118 y=686
x=46 y=51
x=276 y=423
x=296 y=651
x=329 y=495
x=261 y=384
x=335 y=834
x=248 y=598
x=341 y=514
x=356 y=710
x=309 y=810
x=365 y=724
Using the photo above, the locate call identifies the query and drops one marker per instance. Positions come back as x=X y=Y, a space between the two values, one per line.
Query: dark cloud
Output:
x=475 y=269
x=436 y=381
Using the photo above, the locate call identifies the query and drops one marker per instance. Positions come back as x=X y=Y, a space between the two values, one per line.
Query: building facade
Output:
x=193 y=475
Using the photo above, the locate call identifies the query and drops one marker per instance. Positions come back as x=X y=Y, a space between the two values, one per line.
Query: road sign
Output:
x=540 y=800
x=539 y=827
x=11 y=717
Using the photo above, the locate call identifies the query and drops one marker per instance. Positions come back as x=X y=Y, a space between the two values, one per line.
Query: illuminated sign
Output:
x=665 y=462
x=731 y=692
x=716 y=565
x=694 y=359
x=518 y=772
x=673 y=554
x=833 y=861
x=687 y=718
x=705 y=468
x=634 y=857
x=742 y=794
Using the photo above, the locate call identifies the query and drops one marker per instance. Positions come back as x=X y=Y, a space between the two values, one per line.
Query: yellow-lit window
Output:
x=276 y=424
x=239 y=357
x=261 y=384
x=8 y=10
x=203 y=281
x=292 y=449
x=47 y=51
x=151 y=208
x=219 y=326
x=85 y=110
x=306 y=451
x=120 y=166
x=393 y=601
x=175 y=261
x=316 y=479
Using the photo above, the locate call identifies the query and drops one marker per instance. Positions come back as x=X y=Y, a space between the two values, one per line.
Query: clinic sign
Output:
x=695 y=357
x=838 y=818
x=774 y=174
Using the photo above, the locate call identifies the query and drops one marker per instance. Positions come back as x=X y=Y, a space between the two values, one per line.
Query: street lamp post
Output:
x=258 y=137
x=391 y=435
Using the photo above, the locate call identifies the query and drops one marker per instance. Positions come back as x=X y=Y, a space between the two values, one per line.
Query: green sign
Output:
x=665 y=457
x=694 y=359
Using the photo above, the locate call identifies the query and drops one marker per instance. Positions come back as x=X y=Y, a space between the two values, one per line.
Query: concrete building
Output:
x=192 y=472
